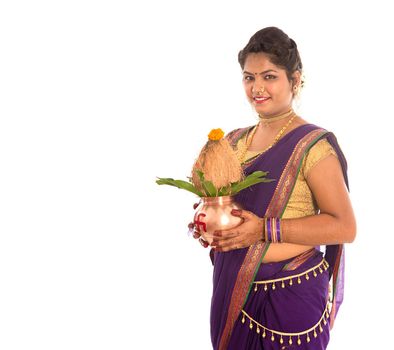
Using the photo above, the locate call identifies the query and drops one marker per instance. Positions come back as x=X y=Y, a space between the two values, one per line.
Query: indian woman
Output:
x=278 y=277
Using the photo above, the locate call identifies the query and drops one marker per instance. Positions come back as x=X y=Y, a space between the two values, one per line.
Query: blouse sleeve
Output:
x=319 y=151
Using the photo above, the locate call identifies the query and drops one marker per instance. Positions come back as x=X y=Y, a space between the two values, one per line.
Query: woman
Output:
x=271 y=281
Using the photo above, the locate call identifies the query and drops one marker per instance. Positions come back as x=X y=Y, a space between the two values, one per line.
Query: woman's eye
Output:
x=248 y=77
x=270 y=77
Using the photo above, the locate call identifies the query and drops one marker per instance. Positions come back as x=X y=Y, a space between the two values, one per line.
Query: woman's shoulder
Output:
x=235 y=135
x=321 y=140
x=319 y=151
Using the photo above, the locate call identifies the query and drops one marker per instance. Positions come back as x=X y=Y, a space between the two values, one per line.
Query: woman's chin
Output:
x=263 y=110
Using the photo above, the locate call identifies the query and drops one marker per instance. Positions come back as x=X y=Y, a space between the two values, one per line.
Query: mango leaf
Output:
x=247 y=182
x=258 y=173
x=165 y=181
x=188 y=186
x=200 y=175
x=184 y=185
x=209 y=188
x=224 y=191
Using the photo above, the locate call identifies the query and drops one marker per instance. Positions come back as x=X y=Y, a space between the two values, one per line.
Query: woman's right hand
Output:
x=195 y=232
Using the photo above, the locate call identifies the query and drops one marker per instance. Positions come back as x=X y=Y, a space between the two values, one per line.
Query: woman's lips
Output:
x=260 y=100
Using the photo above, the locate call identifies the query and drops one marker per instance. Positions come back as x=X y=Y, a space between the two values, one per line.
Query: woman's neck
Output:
x=275 y=120
x=276 y=117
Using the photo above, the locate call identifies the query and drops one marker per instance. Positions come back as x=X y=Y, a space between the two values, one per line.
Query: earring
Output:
x=296 y=90
x=296 y=98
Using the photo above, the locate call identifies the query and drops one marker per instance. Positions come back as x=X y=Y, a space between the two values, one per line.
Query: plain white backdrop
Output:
x=97 y=98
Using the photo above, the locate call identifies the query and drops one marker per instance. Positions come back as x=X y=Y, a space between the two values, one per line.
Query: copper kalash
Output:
x=220 y=165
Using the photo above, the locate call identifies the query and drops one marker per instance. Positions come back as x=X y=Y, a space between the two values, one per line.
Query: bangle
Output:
x=272 y=230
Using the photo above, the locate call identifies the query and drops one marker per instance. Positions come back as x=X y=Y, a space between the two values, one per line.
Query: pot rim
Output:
x=218 y=199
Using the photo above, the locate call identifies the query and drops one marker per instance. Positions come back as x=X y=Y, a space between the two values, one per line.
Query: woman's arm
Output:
x=336 y=222
x=334 y=225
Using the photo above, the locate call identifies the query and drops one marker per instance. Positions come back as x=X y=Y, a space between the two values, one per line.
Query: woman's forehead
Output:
x=257 y=63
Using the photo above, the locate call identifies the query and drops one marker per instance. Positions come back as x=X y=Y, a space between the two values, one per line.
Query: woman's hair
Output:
x=281 y=49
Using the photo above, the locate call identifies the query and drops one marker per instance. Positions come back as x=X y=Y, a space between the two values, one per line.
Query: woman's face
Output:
x=266 y=85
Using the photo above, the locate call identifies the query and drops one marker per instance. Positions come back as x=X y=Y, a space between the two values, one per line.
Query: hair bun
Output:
x=293 y=44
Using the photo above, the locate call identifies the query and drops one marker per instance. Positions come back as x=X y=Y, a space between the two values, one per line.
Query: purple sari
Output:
x=249 y=314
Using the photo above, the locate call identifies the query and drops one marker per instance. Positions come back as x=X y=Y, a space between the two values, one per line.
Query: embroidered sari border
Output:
x=234 y=136
x=335 y=281
x=286 y=182
x=299 y=260
x=242 y=288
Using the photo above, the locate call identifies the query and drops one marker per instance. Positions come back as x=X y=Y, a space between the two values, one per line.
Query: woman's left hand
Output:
x=244 y=235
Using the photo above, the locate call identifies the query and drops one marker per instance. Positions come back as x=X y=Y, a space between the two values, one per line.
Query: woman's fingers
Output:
x=228 y=243
x=190 y=227
x=203 y=242
x=193 y=231
x=220 y=236
x=196 y=235
x=231 y=245
x=245 y=214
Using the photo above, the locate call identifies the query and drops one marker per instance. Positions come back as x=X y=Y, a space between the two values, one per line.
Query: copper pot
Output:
x=214 y=213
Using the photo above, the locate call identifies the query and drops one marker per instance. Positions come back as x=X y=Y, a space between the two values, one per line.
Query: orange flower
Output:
x=216 y=134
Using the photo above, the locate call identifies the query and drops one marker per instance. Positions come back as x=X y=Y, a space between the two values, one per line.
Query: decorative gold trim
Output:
x=260 y=328
x=241 y=289
x=289 y=175
x=317 y=267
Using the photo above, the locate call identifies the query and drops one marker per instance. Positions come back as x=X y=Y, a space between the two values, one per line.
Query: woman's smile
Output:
x=260 y=100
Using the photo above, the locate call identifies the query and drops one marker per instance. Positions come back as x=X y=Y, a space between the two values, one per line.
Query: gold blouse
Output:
x=301 y=202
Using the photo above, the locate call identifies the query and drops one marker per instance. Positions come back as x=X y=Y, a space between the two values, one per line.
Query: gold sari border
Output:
x=289 y=175
x=242 y=287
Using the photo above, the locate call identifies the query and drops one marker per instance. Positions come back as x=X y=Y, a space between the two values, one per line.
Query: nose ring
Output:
x=262 y=89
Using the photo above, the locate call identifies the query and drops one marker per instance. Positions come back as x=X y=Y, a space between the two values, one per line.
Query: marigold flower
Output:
x=216 y=134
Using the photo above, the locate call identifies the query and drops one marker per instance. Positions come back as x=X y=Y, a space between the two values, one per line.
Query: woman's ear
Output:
x=296 y=78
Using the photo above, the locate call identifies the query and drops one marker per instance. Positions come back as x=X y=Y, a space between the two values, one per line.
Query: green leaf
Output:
x=224 y=191
x=188 y=187
x=200 y=175
x=165 y=181
x=184 y=185
x=247 y=182
x=258 y=173
x=209 y=188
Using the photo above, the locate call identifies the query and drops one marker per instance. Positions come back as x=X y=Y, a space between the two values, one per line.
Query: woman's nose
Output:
x=258 y=89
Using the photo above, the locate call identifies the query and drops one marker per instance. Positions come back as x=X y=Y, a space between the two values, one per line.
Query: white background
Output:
x=98 y=98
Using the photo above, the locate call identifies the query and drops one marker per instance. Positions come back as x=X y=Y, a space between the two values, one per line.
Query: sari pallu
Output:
x=235 y=271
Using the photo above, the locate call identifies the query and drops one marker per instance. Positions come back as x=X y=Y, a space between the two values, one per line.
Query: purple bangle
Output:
x=273 y=230
x=278 y=230
x=269 y=233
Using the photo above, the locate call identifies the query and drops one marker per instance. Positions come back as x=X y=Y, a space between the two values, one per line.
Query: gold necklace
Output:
x=249 y=139
x=268 y=121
